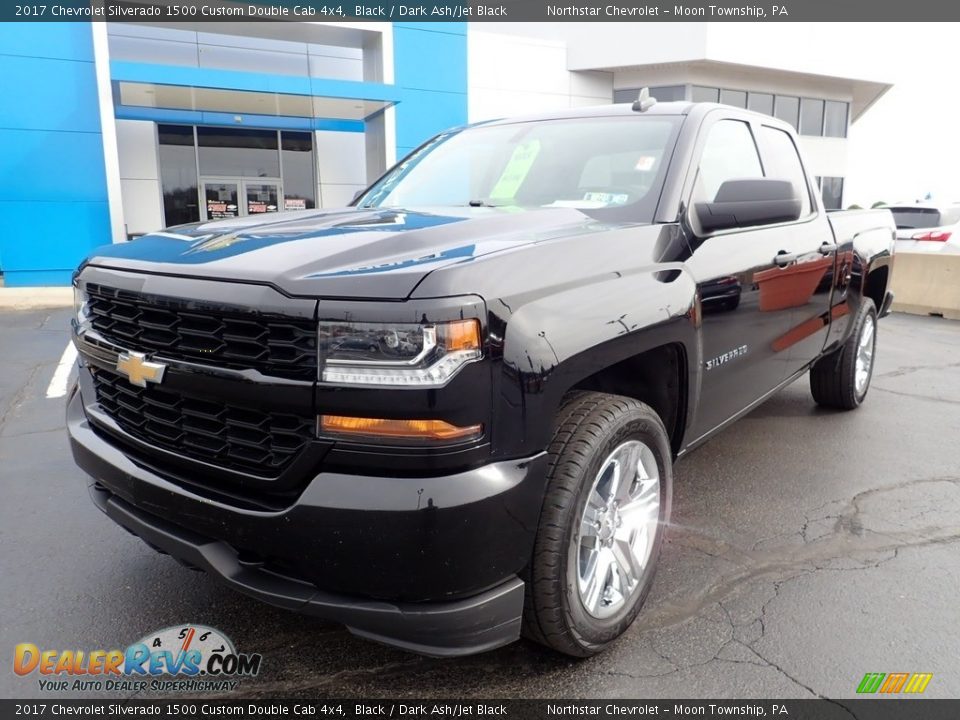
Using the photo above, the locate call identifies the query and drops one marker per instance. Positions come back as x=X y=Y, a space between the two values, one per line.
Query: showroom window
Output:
x=178 y=174
x=760 y=102
x=705 y=94
x=737 y=98
x=238 y=152
x=835 y=119
x=235 y=171
x=787 y=108
x=808 y=116
x=299 y=184
x=811 y=116
x=663 y=93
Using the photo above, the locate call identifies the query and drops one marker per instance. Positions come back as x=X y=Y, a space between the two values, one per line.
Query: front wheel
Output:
x=601 y=528
x=841 y=379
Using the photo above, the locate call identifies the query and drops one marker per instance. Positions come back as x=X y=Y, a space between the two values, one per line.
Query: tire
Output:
x=589 y=429
x=833 y=378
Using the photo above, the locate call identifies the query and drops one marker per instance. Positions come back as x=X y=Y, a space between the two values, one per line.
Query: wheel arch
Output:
x=876 y=284
x=656 y=365
x=658 y=377
x=593 y=335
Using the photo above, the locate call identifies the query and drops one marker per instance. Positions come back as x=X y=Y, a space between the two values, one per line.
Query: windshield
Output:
x=612 y=164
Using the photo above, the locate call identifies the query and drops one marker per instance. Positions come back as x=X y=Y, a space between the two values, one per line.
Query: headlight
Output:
x=81 y=307
x=397 y=355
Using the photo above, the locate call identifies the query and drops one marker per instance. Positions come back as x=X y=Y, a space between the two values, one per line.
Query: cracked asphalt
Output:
x=807 y=548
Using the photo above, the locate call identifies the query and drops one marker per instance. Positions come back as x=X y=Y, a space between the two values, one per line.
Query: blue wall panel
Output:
x=44 y=241
x=451 y=28
x=423 y=114
x=58 y=40
x=439 y=61
x=39 y=107
x=52 y=166
x=52 y=182
x=430 y=69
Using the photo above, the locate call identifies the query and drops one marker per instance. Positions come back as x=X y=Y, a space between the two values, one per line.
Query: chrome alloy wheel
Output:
x=864 y=361
x=618 y=528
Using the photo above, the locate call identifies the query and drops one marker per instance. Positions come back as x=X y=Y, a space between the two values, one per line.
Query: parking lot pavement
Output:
x=807 y=548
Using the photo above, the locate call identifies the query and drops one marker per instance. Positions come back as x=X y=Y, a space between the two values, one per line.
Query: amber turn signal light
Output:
x=459 y=335
x=404 y=430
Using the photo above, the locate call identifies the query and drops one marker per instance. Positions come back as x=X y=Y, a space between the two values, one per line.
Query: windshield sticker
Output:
x=516 y=171
x=645 y=163
x=607 y=198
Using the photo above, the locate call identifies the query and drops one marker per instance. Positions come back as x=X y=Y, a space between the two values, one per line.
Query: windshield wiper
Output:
x=481 y=203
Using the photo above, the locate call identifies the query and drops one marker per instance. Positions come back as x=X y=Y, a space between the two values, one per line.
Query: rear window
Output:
x=914 y=218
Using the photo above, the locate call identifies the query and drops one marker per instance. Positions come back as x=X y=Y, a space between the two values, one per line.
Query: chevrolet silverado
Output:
x=447 y=415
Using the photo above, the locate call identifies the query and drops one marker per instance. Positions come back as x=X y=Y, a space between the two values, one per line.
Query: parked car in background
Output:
x=927 y=227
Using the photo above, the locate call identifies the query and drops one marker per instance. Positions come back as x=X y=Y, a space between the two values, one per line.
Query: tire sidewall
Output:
x=867 y=313
x=592 y=631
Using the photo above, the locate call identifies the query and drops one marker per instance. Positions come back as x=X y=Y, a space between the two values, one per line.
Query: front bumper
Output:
x=425 y=564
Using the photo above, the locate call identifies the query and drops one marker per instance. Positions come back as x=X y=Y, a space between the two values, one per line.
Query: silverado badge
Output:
x=726 y=357
x=138 y=369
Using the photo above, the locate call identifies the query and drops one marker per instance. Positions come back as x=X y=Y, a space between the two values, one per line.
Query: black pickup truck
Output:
x=448 y=414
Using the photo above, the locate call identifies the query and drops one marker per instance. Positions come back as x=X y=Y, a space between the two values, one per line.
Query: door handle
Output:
x=828 y=248
x=783 y=258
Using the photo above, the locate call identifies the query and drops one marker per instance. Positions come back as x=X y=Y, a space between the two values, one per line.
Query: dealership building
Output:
x=112 y=130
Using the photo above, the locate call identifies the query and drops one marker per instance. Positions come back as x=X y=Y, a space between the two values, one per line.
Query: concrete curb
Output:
x=35 y=298
x=927 y=284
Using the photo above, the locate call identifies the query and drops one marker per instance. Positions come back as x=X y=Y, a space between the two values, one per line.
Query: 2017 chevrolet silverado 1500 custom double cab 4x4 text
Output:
x=448 y=414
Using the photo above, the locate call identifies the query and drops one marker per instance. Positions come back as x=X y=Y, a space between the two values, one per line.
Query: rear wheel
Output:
x=601 y=528
x=841 y=379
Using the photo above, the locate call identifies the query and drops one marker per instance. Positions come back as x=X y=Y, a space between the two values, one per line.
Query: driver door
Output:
x=741 y=321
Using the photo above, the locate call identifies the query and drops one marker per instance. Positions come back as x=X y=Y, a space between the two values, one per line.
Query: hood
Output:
x=345 y=253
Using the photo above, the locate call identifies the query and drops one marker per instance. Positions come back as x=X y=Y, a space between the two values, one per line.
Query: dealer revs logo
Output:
x=172 y=659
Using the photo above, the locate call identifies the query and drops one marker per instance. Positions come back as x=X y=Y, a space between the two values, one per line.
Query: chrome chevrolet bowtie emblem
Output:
x=217 y=242
x=138 y=369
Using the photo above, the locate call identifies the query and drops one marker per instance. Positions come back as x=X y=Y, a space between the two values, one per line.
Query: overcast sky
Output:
x=908 y=143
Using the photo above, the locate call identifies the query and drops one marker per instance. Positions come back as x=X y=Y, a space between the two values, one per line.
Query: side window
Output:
x=781 y=161
x=728 y=154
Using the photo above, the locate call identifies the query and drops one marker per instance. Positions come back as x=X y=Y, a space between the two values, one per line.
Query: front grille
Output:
x=230 y=436
x=275 y=345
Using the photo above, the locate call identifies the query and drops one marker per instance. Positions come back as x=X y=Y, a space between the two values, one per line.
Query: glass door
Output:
x=220 y=199
x=230 y=197
x=261 y=196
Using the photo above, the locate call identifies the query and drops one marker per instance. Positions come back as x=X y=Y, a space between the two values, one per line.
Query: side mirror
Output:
x=749 y=202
